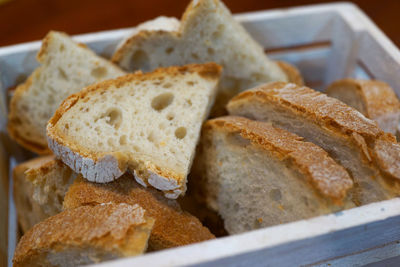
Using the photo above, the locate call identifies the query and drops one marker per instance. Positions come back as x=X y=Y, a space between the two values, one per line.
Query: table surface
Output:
x=28 y=20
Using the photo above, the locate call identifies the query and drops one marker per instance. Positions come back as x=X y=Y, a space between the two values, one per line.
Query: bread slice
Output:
x=66 y=67
x=173 y=227
x=88 y=234
x=292 y=72
x=207 y=33
x=40 y=185
x=375 y=99
x=256 y=175
x=147 y=123
x=371 y=156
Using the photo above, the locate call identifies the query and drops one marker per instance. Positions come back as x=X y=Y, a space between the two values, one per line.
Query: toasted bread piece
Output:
x=66 y=67
x=292 y=72
x=173 y=227
x=370 y=155
x=147 y=123
x=88 y=234
x=207 y=33
x=256 y=175
x=375 y=99
x=40 y=185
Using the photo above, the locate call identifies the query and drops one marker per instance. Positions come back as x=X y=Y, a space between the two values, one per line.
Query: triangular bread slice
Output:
x=256 y=175
x=147 y=123
x=207 y=33
x=40 y=185
x=66 y=67
x=173 y=227
x=375 y=99
x=85 y=235
x=371 y=156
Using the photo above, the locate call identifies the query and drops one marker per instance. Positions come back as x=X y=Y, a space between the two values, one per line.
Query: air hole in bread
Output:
x=167 y=85
x=305 y=200
x=217 y=34
x=275 y=195
x=170 y=116
x=180 y=132
x=189 y=102
x=123 y=140
x=237 y=140
x=139 y=60
x=62 y=48
x=62 y=74
x=66 y=126
x=151 y=137
x=110 y=142
x=169 y=50
x=210 y=51
x=162 y=101
x=195 y=56
x=113 y=117
x=99 y=72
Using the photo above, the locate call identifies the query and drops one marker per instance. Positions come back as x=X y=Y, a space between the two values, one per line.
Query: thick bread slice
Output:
x=256 y=175
x=292 y=72
x=66 y=67
x=375 y=99
x=207 y=33
x=370 y=155
x=39 y=189
x=173 y=227
x=88 y=234
x=147 y=123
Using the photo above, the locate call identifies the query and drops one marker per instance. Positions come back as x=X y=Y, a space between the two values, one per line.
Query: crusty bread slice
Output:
x=375 y=99
x=173 y=227
x=147 y=123
x=371 y=156
x=256 y=175
x=88 y=234
x=66 y=67
x=208 y=33
x=292 y=72
x=40 y=185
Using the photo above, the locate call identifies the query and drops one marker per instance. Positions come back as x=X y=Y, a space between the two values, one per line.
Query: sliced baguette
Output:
x=256 y=175
x=375 y=99
x=147 y=123
x=371 y=156
x=66 y=67
x=88 y=234
x=173 y=227
x=39 y=189
x=207 y=33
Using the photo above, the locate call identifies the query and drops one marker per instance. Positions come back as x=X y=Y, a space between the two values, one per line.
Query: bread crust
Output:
x=106 y=227
x=106 y=167
x=378 y=99
x=173 y=227
x=293 y=73
x=331 y=114
x=330 y=179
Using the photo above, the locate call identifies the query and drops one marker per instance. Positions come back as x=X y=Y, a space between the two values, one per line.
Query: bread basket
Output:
x=327 y=42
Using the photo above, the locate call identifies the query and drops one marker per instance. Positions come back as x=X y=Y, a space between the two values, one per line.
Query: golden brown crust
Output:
x=328 y=177
x=329 y=113
x=378 y=97
x=103 y=227
x=293 y=73
x=173 y=227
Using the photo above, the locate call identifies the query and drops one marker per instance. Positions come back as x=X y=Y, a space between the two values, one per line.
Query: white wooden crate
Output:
x=327 y=42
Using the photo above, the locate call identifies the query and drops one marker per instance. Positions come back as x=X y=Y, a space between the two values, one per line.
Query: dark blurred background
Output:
x=27 y=20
